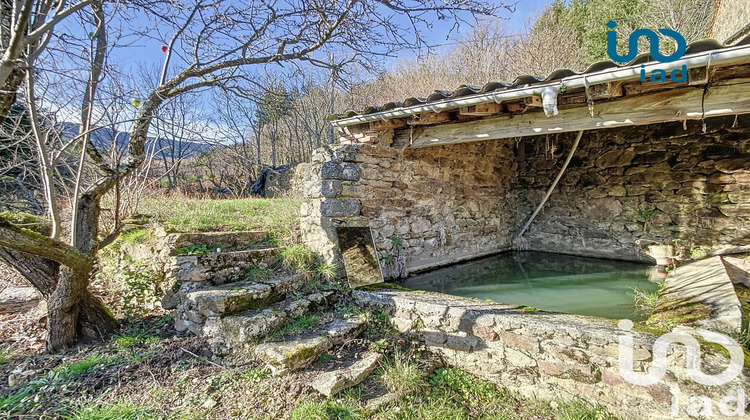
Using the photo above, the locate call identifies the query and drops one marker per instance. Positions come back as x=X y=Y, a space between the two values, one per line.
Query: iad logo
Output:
x=700 y=405
x=657 y=75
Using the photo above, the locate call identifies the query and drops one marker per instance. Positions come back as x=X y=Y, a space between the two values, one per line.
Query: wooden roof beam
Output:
x=685 y=103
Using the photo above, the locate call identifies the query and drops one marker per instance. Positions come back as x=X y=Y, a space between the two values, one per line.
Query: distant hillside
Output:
x=103 y=138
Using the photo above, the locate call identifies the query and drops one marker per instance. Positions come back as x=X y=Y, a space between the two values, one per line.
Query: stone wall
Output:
x=553 y=356
x=426 y=207
x=286 y=182
x=625 y=189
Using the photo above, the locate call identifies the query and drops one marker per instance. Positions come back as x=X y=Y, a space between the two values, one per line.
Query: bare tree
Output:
x=207 y=44
x=27 y=26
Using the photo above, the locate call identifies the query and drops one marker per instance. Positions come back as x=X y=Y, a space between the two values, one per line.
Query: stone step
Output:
x=226 y=240
x=233 y=334
x=300 y=351
x=236 y=297
x=195 y=302
x=331 y=383
x=220 y=267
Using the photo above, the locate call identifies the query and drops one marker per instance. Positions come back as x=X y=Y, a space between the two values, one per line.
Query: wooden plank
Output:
x=490 y=108
x=429 y=118
x=533 y=101
x=607 y=90
x=698 y=76
x=387 y=124
x=515 y=106
x=666 y=106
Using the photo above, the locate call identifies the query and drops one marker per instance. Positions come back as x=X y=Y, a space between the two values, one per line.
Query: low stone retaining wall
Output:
x=552 y=356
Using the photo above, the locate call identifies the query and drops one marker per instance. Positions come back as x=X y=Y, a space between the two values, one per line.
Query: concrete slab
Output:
x=707 y=281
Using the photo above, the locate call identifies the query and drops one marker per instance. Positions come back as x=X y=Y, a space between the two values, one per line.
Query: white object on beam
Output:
x=726 y=56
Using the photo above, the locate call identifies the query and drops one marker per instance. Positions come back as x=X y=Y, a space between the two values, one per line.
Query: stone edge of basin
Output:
x=547 y=355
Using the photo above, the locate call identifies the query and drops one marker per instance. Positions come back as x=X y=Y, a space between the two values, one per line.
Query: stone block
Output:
x=340 y=170
x=730 y=166
x=340 y=208
x=331 y=383
x=331 y=188
x=484 y=332
x=615 y=158
x=518 y=358
x=461 y=343
x=292 y=354
x=527 y=342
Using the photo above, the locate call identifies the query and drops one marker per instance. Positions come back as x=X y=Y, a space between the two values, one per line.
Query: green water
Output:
x=553 y=282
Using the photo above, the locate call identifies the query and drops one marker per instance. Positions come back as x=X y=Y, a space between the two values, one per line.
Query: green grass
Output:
x=324 y=358
x=83 y=366
x=198 y=249
x=300 y=324
x=403 y=377
x=134 y=337
x=135 y=236
x=258 y=273
x=298 y=258
x=4 y=356
x=453 y=394
x=325 y=270
x=578 y=410
x=325 y=410
x=196 y=215
x=123 y=409
x=255 y=375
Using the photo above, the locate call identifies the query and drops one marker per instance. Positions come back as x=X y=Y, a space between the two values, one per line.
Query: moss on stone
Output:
x=672 y=312
x=299 y=355
x=385 y=286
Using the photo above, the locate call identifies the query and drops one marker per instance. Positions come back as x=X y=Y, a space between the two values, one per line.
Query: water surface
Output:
x=553 y=282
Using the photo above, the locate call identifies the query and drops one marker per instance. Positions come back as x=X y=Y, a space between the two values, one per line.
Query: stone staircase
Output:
x=212 y=296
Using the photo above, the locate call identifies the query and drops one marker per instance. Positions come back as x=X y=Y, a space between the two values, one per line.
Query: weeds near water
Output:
x=645 y=300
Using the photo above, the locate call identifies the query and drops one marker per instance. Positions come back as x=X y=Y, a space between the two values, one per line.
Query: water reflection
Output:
x=561 y=283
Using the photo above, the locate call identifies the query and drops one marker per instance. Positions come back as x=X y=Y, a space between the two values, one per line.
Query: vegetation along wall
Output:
x=680 y=184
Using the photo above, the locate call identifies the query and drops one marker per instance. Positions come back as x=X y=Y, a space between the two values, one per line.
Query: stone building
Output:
x=456 y=175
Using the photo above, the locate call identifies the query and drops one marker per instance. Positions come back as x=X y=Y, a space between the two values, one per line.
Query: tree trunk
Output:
x=94 y=319
x=9 y=90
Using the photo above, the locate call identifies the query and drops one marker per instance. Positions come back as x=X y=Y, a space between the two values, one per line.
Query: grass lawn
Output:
x=201 y=215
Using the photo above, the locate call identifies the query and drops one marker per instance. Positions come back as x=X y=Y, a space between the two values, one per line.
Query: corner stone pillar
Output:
x=324 y=208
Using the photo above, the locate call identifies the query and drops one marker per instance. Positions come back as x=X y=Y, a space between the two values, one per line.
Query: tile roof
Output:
x=525 y=81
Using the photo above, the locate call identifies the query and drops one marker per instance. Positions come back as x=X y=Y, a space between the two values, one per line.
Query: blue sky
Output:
x=149 y=52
